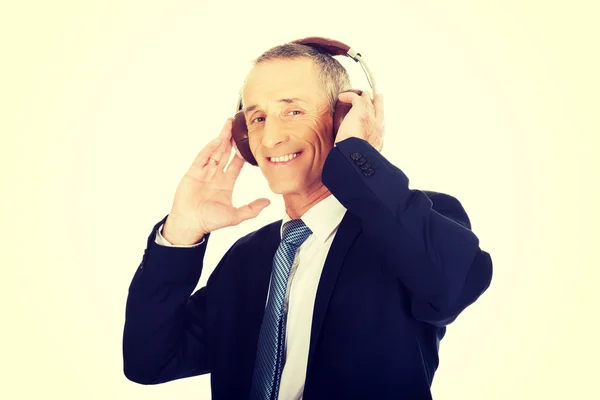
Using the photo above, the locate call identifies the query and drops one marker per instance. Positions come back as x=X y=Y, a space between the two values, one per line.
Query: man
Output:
x=352 y=302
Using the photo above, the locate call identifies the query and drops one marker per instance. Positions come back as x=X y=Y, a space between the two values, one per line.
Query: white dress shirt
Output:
x=323 y=220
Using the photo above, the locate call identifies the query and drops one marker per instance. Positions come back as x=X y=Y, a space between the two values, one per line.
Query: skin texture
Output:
x=277 y=128
x=203 y=200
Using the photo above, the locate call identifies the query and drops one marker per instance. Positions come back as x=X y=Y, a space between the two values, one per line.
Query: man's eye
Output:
x=262 y=119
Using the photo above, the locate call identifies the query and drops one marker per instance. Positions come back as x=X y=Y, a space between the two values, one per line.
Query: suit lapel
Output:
x=347 y=232
x=258 y=282
x=257 y=286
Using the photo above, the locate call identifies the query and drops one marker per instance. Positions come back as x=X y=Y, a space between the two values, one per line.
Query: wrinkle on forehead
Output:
x=275 y=79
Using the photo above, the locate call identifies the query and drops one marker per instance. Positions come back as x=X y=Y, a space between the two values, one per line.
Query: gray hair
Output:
x=333 y=76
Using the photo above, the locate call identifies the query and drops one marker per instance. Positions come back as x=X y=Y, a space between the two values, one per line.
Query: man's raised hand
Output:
x=203 y=199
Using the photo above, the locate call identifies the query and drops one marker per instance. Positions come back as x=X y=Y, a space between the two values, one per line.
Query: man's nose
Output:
x=273 y=133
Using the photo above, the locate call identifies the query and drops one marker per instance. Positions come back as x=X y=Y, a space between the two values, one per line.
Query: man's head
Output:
x=288 y=97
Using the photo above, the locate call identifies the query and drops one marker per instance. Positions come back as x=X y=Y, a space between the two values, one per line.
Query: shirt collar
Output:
x=322 y=218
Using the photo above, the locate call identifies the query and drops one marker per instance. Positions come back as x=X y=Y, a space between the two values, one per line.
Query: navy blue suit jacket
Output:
x=403 y=265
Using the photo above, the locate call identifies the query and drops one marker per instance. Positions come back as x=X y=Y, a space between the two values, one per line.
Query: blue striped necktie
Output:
x=269 y=356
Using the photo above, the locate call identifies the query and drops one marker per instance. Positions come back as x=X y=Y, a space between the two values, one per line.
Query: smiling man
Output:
x=291 y=148
x=347 y=296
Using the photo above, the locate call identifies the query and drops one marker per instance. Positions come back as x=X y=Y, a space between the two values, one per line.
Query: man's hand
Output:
x=364 y=120
x=202 y=201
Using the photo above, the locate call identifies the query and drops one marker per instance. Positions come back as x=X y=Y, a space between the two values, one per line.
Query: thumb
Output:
x=348 y=97
x=250 y=210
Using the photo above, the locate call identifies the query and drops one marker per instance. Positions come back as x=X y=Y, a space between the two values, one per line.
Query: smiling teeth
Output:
x=284 y=158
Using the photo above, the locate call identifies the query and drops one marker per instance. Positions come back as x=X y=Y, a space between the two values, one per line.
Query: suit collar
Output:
x=322 y=218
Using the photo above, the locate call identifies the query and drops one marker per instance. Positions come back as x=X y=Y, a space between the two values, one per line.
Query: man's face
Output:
x=289 y=124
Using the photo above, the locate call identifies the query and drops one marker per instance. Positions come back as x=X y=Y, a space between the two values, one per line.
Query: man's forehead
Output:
x=284 y=100
x=280 y=74
x=279 y=82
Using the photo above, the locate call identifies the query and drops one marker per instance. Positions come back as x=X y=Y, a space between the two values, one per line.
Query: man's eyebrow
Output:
x=287 y=100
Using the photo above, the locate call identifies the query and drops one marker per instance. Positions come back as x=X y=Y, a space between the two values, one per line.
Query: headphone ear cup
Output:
x=239 y=133
x=341 y=109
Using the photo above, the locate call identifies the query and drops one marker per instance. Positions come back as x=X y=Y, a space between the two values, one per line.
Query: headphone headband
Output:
x=330 y=46
x=333 y=48
x=239 y=129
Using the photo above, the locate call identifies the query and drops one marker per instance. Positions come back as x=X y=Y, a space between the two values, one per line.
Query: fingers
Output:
x=374 y=108
x=203 y=157
x=208 y=160
x=369 y=103
x=225 y=133
x=251 y=210
x=235 y=148
x=363 y=101
x=222 y=154
x=378 y=105
x=207 y=152
x=369 y=112
x=234 y=168
x=350 y=97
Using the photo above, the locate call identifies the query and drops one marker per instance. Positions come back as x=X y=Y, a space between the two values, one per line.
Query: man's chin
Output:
x=299 y=187
x=283 y=189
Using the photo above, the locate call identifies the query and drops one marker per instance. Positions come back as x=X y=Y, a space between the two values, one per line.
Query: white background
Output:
x=104 y=105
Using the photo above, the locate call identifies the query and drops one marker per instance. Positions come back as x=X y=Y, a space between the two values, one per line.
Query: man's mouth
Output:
x=283 y=160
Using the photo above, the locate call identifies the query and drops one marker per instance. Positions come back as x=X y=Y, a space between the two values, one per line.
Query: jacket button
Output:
x=365 y=166
x=369 y=172
x=360 y=161
x=355 y=156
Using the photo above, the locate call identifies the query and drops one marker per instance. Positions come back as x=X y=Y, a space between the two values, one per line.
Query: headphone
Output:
x=239 y=129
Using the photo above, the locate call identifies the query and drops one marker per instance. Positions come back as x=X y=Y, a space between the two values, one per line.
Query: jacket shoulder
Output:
x=259 y=235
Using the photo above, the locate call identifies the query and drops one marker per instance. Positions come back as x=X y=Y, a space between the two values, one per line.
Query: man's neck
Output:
x=296 y=205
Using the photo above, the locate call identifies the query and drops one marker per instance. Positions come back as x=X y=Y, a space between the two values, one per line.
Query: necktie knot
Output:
x=295 y=232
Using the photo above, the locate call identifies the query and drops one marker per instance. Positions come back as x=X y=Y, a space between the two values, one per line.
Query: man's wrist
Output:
x=179 y=235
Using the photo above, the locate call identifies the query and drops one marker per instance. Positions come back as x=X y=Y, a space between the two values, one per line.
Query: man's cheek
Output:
x=315 y=120
x=312 y=126
x=254 y=144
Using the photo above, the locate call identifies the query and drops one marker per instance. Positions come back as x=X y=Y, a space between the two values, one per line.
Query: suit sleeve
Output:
x=166 y=331
x=160 y=239
x=428 y=242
